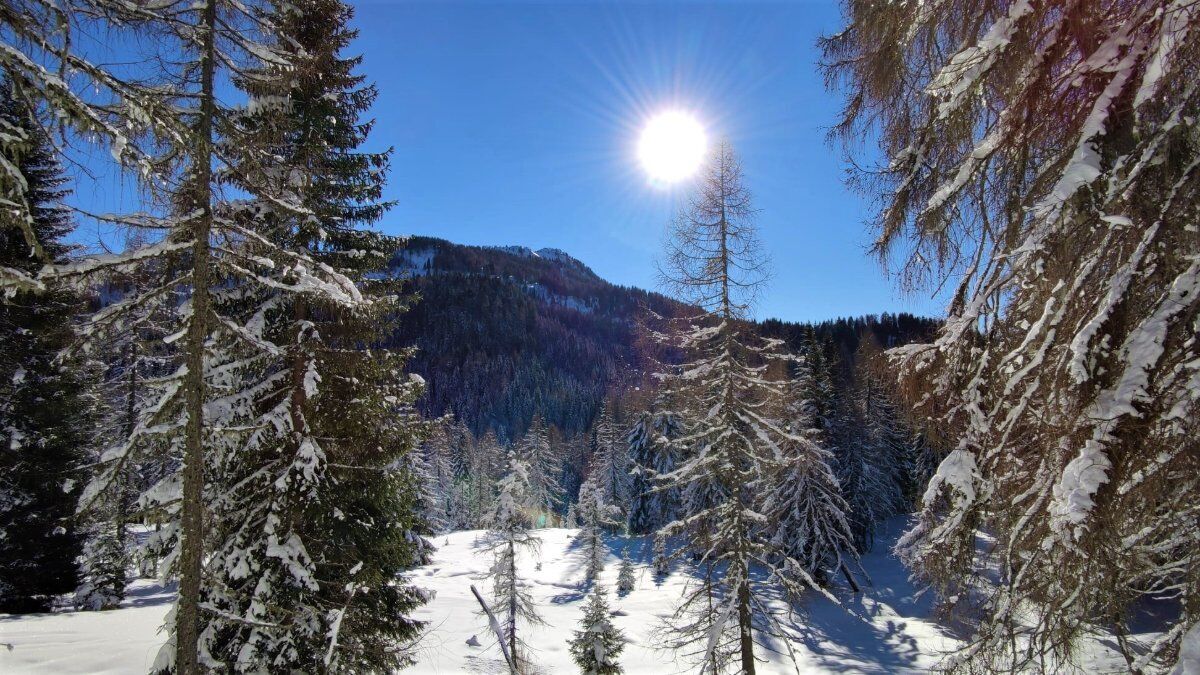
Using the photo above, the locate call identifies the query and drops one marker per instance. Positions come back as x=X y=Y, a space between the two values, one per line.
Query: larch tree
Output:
x=79 y=98
x=728 y=403
x=508 y=539
x=1039 y=159
x=44 y=406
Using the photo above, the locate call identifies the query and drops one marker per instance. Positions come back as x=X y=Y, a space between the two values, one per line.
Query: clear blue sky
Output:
x=516 y=123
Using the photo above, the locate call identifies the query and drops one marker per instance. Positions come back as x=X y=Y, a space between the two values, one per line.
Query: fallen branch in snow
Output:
x=512 y=666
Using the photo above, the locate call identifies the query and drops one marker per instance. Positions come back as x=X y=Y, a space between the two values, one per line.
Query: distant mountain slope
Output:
x=504 y=332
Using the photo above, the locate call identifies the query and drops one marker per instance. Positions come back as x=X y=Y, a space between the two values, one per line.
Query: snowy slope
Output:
x=885 y=630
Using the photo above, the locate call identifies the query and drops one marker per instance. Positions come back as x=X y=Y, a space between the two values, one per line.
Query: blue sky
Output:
x=518 y=123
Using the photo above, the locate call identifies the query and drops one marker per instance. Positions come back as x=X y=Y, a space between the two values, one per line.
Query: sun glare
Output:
x=672 y=146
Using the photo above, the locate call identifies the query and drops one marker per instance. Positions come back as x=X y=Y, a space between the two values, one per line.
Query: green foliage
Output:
x=598 y=643
x=44 y=414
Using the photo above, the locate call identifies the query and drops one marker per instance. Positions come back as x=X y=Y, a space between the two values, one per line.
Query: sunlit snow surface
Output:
x=886 y=630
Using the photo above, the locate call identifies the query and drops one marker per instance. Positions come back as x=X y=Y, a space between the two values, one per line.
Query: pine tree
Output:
x=626 y=580
x=43 y=413
x=598 y=643
x=874 y=447
x=237 y=276
x=441 y=456
x=322 y=507
x=508 y=537
x=1037 y=158
x=610 y=464
x=131 y=360
x=652 y=454
x=595 y=517
x=423 y=472
x=661 y=562
x=483 y=467
x=807 y=514
x=839 y=461
x=544 y=469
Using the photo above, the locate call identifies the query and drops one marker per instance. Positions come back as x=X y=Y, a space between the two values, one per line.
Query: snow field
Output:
x=887 y=629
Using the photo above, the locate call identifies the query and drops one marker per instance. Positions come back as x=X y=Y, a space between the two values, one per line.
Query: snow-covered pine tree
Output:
x=728 y=406
x=130 y=362
x=483 y=467
x=544 y=470
x=227 y=268
x=652 y=454
x=875 y=446
x=806 y=513
x=436 y=468
x=421 y=465
x=44 y=411
x=661 y=562
x=597 y=644
x=321 y=506
x=626 y=578
x=508 y=538
x=458 y=440
x=595 y=517
x=610 y=464
x=1039 y=158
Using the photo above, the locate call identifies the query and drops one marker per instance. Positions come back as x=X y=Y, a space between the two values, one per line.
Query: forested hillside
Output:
x=503 y=333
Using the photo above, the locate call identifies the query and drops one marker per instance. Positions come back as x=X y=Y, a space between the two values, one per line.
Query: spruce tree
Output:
x=626 y=579
x=598 y=643
x=544 y=470
x=661 y=562
x=595 y=517
x=321 y=507
x=610 y=465
x=652 y=454
x=44 y=412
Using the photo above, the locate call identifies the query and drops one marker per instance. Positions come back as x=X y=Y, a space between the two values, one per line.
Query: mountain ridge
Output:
x=506 y=332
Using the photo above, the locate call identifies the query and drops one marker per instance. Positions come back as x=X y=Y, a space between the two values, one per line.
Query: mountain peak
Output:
x=556 y=255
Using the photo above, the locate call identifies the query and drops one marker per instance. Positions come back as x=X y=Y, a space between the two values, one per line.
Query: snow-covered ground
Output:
x=893 y=635
x=886 y=629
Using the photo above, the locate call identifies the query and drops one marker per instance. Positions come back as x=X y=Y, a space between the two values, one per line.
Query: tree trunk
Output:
x=745 y=627
x=512 y=605
x=850 y=579
x=187 y=620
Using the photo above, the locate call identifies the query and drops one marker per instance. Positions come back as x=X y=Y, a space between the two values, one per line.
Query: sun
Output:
x=672 y=146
